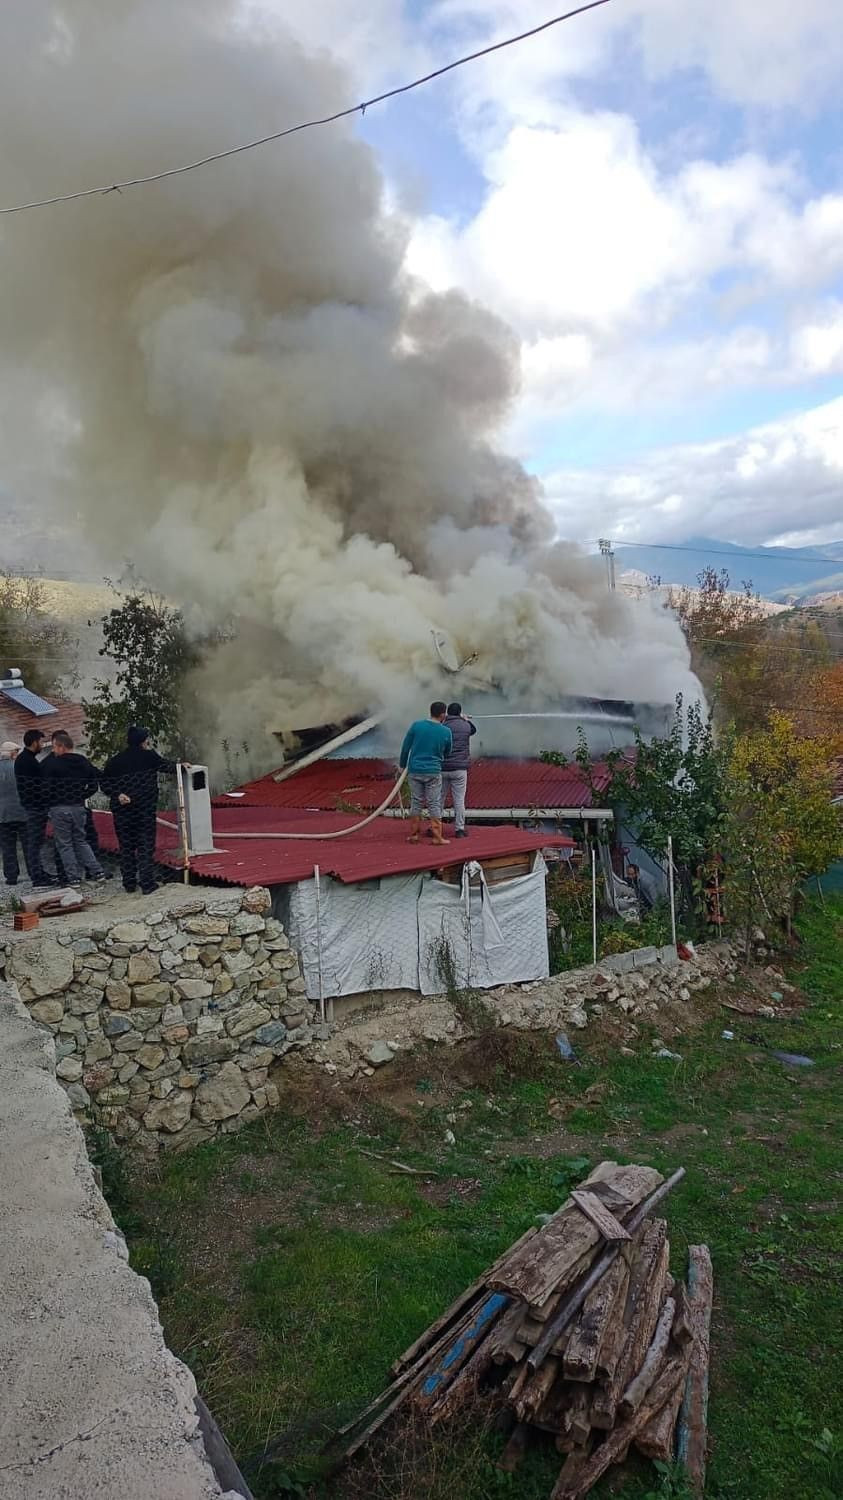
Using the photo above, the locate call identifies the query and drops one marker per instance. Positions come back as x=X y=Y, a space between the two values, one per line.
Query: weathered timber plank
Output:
x=515 y=1449
x=658 y=1439
x=443 y=1370
x=536 y=1390
x=616 y=1444
x=643 y=1305
x=536 y=1272
x=639 y=1385
x=691 y=1436
x=587 y=1334
x=604 y=1222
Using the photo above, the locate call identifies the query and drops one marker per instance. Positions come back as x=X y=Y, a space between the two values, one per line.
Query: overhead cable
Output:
x=278 y=135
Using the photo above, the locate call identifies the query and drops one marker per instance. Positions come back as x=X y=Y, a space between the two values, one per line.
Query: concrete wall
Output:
x=93 y=1401
x=167 y=1015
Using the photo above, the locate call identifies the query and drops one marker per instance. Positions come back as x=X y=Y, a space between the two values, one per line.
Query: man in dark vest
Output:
x=455 y=766
x=130 y=781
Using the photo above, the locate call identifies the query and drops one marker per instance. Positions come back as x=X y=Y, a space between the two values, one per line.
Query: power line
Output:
x=277 y=135
x=736 y=557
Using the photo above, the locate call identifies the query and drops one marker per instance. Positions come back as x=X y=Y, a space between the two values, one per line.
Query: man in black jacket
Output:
x=71 y=780
x=32 y=791
x=130 y=780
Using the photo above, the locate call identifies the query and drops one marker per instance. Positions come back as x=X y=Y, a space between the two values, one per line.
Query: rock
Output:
x=78 y=1096
x=49 y=1012
x=118 y=994
x=70 y=1069
x=84 y=1002
x=128 y=1043
x=65 y=1048
x=273 y=1098
x=116 y=1025
x=170 y=1114
x=684 y=994
x=162 y=1088
x=174 y=1034
x=143 y=967
x=296 y=987
x=72 y=1025
x=223 y=985
x=99 y=1050
x=42 y=964
x=207 y=926
x=224 y=906
x=130 y=932
x=450 y=1138
x=200 y=1050
x=192 y=1135
x=272 y=1035
x=150 y=1056
x=84 y=945
x=144 y=1017
x=209 y=1026
x=223 y=1096
x=128 y=1070
x=379 y=1053
x=189 y=1080
x=99 y=1077
x=246 y=923
x=172 y=1015
x=151 y=994
x=257 y=899
x=194 y=989
x=247 y=1018
x=237 y=963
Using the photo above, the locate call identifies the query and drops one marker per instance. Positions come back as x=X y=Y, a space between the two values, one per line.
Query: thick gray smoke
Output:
x=228 y=378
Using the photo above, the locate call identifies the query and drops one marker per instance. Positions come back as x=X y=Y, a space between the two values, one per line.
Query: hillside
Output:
x=783 y=573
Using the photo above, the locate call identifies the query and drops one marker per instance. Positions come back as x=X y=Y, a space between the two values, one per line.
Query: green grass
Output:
x=291 y=1269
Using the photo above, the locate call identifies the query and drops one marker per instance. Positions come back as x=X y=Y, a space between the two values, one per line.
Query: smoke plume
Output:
x=228 y=378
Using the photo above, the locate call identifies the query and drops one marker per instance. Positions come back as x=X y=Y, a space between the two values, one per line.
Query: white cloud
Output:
x=817 y=347
x=738 y=489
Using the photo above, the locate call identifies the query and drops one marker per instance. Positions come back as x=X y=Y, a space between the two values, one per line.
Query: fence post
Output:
x=670 y=884
x=594 y=905
x=319 y=942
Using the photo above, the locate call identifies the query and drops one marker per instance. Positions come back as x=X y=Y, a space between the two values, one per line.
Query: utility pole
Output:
x=607 y=551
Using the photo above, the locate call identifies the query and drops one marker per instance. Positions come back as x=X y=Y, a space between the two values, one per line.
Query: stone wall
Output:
x=166 y=1022
x=94 y=1403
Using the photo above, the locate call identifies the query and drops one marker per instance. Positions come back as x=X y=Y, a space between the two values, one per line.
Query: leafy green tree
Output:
x=780 y=824
x=146 y=639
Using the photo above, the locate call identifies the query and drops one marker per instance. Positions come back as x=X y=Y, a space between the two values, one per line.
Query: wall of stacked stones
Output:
x=166 y=1026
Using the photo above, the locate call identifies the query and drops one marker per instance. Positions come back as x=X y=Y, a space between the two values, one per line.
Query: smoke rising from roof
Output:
x=233 y=382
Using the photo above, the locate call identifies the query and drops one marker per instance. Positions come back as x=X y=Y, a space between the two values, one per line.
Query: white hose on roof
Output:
x=340 y=833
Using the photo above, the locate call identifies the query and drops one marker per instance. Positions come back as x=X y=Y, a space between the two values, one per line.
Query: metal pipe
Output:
x=574 y=1301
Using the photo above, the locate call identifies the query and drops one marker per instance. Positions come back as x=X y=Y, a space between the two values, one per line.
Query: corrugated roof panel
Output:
x=378 y=850
x=350 y=785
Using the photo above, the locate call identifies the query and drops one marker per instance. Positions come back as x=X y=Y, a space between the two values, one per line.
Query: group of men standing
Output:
x=38 y=789
x=437 y=756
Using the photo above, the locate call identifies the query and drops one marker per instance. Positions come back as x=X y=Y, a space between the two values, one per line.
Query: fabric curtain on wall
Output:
x=415 y=932
x=477 y=936
x=369 y=934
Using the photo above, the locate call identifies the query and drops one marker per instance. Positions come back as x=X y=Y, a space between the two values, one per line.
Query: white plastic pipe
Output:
x=594 y=904
x=672 y=893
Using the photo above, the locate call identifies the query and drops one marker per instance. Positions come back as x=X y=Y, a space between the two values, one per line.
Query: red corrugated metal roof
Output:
x=379 y=849
x=351 y=784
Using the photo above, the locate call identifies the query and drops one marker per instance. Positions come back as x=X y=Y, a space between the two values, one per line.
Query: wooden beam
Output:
x=598 y=1213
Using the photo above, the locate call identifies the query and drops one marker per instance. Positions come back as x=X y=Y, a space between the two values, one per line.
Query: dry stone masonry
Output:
x=166 y=1026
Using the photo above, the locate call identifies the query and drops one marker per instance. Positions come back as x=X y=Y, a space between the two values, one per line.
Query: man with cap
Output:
x=33 y=794
x=130 y=780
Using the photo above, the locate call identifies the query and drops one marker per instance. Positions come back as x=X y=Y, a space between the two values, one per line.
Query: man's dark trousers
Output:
x=9 y=835
x=135 y=828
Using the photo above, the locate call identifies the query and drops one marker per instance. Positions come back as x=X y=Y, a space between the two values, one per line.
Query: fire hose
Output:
x=338 y=833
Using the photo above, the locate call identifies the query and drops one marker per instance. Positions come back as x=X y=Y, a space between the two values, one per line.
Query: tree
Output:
x=669 y=787
x=146 y=638
x=749 y=662
x=780 y=825
x=30 y=638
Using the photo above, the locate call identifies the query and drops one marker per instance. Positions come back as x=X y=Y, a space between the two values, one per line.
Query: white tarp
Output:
x=415 y=932
x=479 y=936
x=369 y=934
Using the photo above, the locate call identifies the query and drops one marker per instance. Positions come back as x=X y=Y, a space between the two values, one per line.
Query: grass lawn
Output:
x=291 y=1268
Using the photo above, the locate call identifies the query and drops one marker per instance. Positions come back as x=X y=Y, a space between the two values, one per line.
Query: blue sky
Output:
x=651 y=195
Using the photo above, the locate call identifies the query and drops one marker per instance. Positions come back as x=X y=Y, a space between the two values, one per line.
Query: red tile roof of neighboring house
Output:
x=15 y=720
x=379 y=849
x=349 y=784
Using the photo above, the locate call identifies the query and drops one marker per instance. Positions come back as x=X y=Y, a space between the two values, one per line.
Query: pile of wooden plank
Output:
x=580 y=1336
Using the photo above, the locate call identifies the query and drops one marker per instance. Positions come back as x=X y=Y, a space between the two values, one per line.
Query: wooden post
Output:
x=672 y=893
x=691 y=1432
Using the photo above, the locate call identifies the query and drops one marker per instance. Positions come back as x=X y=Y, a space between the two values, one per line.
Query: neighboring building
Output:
x=21 y=709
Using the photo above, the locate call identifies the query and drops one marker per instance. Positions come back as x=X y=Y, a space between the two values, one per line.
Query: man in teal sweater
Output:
x=425 y=746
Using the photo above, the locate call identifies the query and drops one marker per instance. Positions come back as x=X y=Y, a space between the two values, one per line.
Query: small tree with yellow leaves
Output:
x=780 y=825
